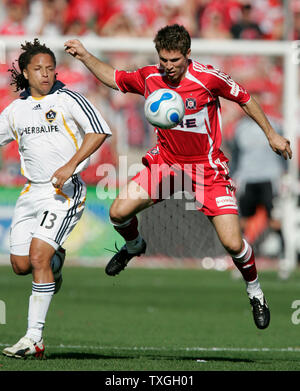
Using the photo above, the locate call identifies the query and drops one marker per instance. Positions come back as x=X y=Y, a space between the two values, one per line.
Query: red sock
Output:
x=246 y=263
x=129 y=231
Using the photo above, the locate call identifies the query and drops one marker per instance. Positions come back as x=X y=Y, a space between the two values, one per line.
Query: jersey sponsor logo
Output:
x=194 y=123
x=50 y=115
x=37 y=107
x=225 y=201
x=190 y=103
x=39 y=129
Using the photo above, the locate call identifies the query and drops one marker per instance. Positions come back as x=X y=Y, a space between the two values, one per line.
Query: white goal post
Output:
x=288 y=50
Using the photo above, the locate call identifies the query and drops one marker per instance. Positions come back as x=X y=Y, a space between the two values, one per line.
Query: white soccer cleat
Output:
x=25 y=347
x=61 y=253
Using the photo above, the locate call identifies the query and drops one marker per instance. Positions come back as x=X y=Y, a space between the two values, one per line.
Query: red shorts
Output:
x=207 y=185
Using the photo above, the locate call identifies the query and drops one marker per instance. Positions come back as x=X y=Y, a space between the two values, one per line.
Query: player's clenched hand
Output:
x=76 y=49
x=280 y=145
x=62 y=175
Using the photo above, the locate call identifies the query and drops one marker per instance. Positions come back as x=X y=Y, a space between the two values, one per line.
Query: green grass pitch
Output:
x=155 y=320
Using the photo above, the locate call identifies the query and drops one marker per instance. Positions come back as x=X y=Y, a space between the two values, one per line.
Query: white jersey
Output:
x=49 y=130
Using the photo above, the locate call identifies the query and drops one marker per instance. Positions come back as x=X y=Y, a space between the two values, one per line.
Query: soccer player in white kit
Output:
x=56 y=130
x=193 y=142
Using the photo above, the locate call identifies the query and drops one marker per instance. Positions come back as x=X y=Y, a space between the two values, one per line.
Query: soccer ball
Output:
x=164 y=108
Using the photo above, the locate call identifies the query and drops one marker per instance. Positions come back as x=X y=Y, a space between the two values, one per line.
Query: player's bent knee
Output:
x=117 y=214
x=20 y=265
x=233 y=247
x=38 y=261
x=118 y=219
x=20 y=271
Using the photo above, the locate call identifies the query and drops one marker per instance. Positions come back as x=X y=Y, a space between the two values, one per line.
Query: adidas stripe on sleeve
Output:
x=85 y=113
x=221 y=84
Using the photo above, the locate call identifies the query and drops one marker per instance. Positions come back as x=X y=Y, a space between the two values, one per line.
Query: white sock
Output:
x=254 y=289
x=39 y=302
x=133 y=246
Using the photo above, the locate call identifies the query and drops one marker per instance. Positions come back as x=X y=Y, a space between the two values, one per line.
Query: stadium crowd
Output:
x=207 y=19
x=203 y=18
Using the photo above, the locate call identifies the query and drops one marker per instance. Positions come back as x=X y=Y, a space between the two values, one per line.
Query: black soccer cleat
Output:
x=261 y=312
x=120 y=260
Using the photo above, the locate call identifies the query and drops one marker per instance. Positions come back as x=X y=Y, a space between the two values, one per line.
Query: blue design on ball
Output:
x=155 y=105
x=174 y=117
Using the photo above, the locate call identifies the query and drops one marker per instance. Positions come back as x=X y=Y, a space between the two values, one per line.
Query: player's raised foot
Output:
x=120 y=260
x=24 y=348
x=261 y=312
x=61 y=253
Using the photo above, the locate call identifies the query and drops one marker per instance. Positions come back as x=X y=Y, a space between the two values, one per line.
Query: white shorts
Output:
x=46 y=213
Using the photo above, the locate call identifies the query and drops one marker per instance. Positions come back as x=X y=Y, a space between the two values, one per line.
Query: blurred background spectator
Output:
x=14 y=14
x=246 y=27
x=203 y=18
x=46 y=17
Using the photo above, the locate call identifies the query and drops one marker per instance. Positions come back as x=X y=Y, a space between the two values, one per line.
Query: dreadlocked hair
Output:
x=30 y=49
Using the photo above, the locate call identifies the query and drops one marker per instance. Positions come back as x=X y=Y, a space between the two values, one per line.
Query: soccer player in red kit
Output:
x=192 y=148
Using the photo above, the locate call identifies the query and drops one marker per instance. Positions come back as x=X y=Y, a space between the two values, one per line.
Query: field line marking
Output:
x=186 y=349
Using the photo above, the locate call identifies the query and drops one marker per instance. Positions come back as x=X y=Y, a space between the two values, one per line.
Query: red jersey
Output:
x=198 y=137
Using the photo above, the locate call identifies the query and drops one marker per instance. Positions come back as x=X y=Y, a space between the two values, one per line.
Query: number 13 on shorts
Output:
x=55 y=226
x=50 y=217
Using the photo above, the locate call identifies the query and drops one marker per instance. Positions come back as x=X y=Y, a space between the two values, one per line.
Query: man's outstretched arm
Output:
x=104 y=72
x=278 y=143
